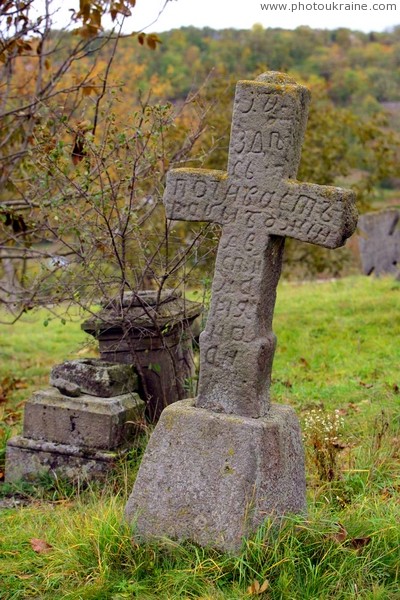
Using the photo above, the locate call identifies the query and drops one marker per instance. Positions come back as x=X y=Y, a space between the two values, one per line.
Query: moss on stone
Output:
x=216 y=173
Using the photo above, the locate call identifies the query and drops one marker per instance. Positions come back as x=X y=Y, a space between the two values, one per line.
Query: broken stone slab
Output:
x=379 y=242
x=28 y=459
x=95 y=377
x=87 y=421
x=213 y=478
x=66 y=388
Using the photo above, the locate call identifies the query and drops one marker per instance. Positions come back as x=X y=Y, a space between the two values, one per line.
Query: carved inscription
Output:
x=258 y=202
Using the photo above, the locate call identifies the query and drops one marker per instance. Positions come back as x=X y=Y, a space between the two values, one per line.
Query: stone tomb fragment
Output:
x=217 y=466
x=379 y=242
x=80 y=426
x=152 y=330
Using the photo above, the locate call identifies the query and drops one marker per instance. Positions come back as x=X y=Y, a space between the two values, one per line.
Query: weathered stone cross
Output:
x=258 y=202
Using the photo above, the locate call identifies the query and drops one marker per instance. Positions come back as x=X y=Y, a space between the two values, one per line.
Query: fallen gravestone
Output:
x=379 y=242
x=80 y=426
x=217 y=466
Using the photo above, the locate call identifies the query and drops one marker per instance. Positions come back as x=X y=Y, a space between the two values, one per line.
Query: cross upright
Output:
x=259 y=203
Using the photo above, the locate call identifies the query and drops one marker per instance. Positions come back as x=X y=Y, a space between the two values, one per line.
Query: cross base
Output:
x=213 y=478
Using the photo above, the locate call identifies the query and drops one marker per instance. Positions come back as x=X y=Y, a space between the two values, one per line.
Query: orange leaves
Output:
x=94 y=83
x=88 y=89
x=342 y=537
x=360 y=542
x=90 y=14
x=96 y=18
x=120 y=8
x=8 y=385
x=78 y=151
x=40 y=546
x=150 y=39
x=153 y=40
x=15 y=46
x=256 y=589
x=83 y=126
x=84 y=10
x=87 y=31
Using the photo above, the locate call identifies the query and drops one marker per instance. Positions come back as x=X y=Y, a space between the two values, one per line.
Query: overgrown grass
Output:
x=93 y=555
x=337 y=350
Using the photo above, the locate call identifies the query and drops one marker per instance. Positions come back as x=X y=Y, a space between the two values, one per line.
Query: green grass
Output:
x=337 y=350
x=337 y=341
x=30 y=347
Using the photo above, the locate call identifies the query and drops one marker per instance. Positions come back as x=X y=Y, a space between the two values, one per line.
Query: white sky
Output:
x=243 y=14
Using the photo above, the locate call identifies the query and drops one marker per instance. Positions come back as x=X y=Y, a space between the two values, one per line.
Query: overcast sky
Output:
x=245 y=13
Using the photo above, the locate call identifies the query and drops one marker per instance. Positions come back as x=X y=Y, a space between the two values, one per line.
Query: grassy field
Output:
x=337 y=363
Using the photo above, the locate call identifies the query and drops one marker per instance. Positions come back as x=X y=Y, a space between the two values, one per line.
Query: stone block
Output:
x=27 y=459
x=213 y=478
x=95 y=377
x=87 y=421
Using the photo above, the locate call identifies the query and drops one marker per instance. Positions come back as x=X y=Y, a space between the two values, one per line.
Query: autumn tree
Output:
x=79 y=186
x=84 y=157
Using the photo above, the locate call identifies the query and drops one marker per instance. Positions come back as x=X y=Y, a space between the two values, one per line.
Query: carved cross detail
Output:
x=258 y=202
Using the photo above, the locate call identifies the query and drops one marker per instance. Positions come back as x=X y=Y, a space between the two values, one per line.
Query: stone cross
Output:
x=258 y=202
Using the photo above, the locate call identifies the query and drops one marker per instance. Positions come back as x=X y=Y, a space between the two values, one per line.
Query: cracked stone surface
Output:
x=94 y=377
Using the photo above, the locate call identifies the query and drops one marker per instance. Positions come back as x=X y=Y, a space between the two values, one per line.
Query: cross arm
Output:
x=196 y=195
x=321 y=215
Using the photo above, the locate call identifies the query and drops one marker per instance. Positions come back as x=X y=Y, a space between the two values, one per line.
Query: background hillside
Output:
x=112 y=116
x=354 y=77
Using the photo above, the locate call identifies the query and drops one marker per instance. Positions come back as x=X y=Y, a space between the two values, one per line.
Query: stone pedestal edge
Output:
x=214 y=478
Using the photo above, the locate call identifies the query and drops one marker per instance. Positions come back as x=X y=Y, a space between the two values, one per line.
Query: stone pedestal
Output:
x=213 y=478
x=152 y=332
x=79 y=436
x=86 y=421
